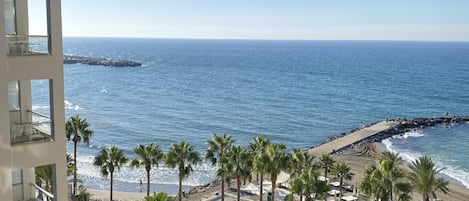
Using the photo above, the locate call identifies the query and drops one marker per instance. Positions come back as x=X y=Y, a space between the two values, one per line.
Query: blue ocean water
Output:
x=299 y=92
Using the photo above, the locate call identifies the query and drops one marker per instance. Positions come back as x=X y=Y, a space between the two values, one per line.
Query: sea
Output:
x=298 y=92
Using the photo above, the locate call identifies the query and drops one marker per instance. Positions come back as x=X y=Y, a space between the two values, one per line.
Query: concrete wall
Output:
x=25 y=68
x=5 y=157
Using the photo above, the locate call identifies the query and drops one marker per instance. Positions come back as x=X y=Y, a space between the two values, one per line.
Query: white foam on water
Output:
x=454 y=172
x=70 y=106
x=104 y=90
x=415 y=133
x=39 y=107
x=203 y=173
x=388 y=142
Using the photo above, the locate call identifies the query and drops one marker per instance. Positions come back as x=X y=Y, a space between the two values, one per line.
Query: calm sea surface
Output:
x=299 y=92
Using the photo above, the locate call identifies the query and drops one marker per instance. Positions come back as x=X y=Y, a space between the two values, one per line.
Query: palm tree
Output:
x=217 y=150
x=307 y=183
x=384 y=180
x=182 y=156
x=277 y=160
x=297 y=186
x=108 y=161
x=327 y=163
x=423 y=178
x=257 y=147
x=300 y=162
x=372 y=184
x=313 y=185
x=147 y=156
x=239 y=159
x=388 y=163
x=342 y=171
x=77 y=130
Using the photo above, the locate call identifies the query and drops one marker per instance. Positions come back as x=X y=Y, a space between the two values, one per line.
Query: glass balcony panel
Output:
x=37 y=130
x=27 y=45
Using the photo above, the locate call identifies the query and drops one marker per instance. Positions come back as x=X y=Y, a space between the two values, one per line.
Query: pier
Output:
x=354 y=137
x=376 y=132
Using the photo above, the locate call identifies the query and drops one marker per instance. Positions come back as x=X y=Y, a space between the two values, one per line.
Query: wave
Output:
x=203 y=174
x=414 y=133
x=104 y=90
x=453 y=172
x=39 y=107
x=388 y=142
x=70 y=106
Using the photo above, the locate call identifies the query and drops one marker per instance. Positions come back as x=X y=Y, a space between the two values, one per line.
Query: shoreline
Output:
x=398 y=127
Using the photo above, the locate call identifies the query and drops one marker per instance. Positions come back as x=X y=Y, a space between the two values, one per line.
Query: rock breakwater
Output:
x=71 y=59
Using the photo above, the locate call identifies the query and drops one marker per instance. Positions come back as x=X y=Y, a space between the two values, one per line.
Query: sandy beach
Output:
x=354 y=158
x=358 y=158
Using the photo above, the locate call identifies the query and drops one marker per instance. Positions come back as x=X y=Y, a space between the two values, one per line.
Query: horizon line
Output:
x=264 y=39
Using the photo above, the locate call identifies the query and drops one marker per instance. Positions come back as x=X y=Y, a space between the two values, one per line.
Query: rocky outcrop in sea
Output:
x=71 y=59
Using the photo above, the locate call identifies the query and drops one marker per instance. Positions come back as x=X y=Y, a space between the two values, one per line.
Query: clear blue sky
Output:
x=442 y=20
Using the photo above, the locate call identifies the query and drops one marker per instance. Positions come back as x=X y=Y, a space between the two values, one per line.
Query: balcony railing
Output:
x=41 y=193
x=39 y=129
x=27 y=44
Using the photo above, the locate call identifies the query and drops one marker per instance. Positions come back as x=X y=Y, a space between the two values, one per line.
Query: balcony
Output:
x=27 y=45
x=39 y=129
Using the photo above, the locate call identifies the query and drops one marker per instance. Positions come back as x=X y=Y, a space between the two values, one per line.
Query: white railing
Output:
x=38 y=129
x=41 y=193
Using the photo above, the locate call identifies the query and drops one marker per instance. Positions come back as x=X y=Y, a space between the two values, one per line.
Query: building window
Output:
x=10 y=16
x=13 y=96
x=17 y=182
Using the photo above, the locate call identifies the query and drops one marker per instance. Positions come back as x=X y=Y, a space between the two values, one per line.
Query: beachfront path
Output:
x=351 y=138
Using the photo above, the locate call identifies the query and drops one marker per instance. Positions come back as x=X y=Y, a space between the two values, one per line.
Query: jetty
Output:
x=378 y=131
x=354 y=137
x=72 y=59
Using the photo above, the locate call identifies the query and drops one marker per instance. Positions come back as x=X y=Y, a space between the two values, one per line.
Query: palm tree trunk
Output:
x=74 y=191
x=148 y=182
x=180 y=188
x=238 y=183
x=340 y=188
x=390 y=192
x=301 y=196
x=325 y=178
x=262 y=189
x=222 y=189
x=111 y=184
x=272 y=195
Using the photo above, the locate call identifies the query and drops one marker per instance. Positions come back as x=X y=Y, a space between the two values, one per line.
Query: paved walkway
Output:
x=351 y=138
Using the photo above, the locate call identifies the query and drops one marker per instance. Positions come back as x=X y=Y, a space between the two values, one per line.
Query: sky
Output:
x=428 y=20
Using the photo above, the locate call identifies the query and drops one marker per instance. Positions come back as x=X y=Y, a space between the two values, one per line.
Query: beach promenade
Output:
x=351 y=138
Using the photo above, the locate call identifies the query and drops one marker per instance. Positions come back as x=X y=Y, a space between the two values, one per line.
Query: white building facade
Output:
x=32 y=119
